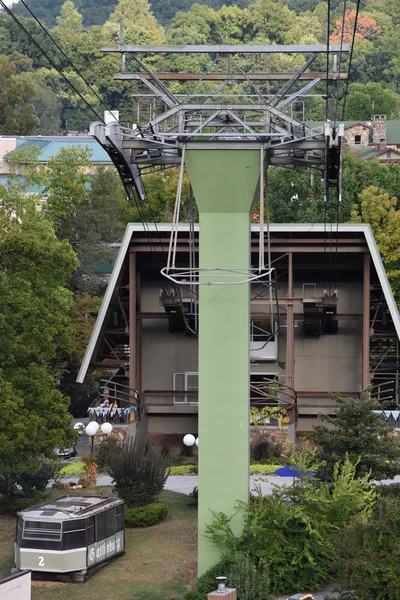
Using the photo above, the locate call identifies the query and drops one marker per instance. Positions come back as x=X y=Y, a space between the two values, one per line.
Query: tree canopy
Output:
x=81 y=27
x=35 y=329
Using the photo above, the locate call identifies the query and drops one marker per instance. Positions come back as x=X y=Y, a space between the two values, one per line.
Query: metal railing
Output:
x=383 y=392
x=170 y=397
x=271 y=401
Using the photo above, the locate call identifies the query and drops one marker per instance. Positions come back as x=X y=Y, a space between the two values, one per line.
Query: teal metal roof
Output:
x=6 y=179
x=51 y=146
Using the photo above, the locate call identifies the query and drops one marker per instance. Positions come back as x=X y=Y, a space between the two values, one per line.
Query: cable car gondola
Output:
x=70 y=534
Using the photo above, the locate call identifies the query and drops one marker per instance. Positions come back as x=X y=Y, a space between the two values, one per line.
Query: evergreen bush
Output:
x=363 y=435
x=138 y=469
x=144 y=516
x=108 y=446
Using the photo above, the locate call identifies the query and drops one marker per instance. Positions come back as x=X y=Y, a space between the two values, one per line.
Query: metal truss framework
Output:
x=207 y=120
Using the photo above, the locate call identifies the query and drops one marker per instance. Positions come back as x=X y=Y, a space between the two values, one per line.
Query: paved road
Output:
x=184 y=484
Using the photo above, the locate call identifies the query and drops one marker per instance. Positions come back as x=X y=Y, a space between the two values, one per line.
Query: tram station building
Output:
x=327 y=324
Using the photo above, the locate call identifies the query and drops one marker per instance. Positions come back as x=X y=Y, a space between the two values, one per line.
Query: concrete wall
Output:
x=163 y=353
x=172 y=423
x=332 y=363
x=329 y=363
x=7 y=144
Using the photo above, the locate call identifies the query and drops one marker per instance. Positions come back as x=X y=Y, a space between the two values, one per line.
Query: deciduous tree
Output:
x=366 y=29
x=372 y=98
x=35 y=330
x=17 y=113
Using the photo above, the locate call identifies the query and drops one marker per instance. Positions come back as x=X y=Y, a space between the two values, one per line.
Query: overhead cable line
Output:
x=334 y=126
x=144 y=222
x=62 y=74
x=351 y=57
x=328 y=20
x=77 y=71
x=51 y=61
x=339 y=65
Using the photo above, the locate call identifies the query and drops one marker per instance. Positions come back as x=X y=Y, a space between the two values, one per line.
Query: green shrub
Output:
x=368 y=553
x=392 y=490
x=108 y=446
x=194 y=497
x=13 y=504
x=138 y=469
x=184 y=470
x=250 y=583
x=260 y=446
x=258 y=469
x=28 y=479
x=255 y=469
x=73 y=470
x=290 y=533
x=144 y=516
x=206 y=583
x=177 y=461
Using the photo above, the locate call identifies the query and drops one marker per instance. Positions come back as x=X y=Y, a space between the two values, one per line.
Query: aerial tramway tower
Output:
x=226 y=142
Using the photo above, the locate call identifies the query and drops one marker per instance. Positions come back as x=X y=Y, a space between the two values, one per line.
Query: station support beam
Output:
x=290 y=326
x=224 y=183
x=366 y=322
x=132 y=320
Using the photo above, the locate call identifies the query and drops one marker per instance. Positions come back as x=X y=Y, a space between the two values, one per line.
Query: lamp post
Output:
x=91 y=429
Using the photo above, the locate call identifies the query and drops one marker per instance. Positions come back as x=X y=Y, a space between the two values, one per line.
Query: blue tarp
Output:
x=292 y=471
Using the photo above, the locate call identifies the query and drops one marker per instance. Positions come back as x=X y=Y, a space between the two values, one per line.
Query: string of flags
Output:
x=112 y=412
x=395 y=414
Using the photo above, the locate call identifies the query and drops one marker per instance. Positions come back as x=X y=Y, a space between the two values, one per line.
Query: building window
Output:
x=357 y=140
x=186 y=387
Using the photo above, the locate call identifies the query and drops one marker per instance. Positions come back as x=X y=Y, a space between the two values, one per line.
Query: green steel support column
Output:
x=224 y=183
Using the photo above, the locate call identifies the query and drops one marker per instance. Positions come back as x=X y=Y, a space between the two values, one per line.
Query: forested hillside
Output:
x=35 y=99
x=96 y=12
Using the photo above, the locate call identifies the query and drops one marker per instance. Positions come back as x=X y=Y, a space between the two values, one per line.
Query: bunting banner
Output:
x=395 y=414
x=99 y=411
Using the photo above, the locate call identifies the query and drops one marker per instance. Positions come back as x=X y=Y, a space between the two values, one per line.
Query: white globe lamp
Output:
x=79 y=427
x=92 y=428
x=106 y=428
x=189 y=440
x=197 y=442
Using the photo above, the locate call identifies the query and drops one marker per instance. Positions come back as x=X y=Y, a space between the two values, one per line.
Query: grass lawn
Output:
x=159 y=561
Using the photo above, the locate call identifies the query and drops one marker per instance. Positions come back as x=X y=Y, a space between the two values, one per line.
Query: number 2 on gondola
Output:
x=41 y=561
